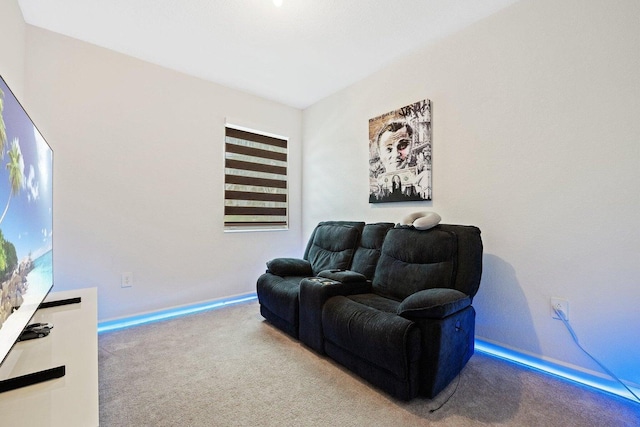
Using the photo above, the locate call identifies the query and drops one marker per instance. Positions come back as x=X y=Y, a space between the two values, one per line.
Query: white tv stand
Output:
x=71 y=400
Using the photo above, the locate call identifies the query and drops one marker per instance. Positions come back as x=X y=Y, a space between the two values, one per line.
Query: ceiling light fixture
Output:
x=278 y=3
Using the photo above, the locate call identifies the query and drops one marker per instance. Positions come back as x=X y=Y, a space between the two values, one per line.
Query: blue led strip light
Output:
x=563 y=372
x=113 y=325
x=485 y=347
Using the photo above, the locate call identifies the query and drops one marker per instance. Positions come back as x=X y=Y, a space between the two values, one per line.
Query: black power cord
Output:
x=458 y=328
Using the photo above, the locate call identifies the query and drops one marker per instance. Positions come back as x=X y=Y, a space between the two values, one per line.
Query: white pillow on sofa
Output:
x=421 y=220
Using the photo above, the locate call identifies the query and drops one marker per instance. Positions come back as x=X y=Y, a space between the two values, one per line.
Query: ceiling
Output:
x=296 y=54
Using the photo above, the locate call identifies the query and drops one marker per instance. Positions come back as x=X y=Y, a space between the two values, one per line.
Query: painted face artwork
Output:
x=394 y=148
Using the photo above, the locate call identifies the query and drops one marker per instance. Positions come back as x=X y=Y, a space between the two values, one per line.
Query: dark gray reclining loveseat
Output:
x=333 y=245
x=409 y=328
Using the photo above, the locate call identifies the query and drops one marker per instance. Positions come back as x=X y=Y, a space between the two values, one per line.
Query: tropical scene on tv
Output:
x=25 y=207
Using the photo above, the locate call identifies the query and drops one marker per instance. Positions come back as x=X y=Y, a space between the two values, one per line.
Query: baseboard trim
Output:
x=155 y=316
x=490 y=348
x=557 y=369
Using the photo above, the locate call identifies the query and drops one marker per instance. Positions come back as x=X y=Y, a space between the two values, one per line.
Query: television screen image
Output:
x=26 y=219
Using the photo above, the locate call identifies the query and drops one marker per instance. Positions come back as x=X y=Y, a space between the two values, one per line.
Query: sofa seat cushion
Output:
x=376 y=301
x=382 y=339
x=280 y=295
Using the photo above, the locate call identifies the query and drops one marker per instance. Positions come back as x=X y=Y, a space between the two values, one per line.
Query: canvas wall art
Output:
x=400 y=154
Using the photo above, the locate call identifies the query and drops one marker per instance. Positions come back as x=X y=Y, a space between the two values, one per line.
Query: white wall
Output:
x=537 y=142
x=12 y=46
x=139 y=177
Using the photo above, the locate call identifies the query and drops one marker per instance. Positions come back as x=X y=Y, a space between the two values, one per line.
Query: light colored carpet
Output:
x=228 y=367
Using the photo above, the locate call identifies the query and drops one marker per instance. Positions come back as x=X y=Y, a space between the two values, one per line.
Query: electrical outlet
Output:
x=126 y=280
x=559 y=304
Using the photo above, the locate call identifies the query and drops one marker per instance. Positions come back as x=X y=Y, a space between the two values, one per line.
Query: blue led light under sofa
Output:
x=408 y=329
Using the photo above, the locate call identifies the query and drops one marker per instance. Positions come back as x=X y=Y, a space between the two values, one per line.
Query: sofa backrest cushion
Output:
x=332 y=245
x=368 y=251
x=412 y=260
x=470 y=249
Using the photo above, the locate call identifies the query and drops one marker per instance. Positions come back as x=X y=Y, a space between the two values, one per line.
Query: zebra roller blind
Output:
x=255 y=181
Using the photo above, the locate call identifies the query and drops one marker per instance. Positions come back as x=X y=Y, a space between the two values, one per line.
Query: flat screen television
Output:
x=26 y=219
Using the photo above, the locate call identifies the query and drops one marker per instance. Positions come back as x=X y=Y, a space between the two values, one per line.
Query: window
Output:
x=255 y=180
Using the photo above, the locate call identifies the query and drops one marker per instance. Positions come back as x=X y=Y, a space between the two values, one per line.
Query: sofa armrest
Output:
x=343 y=276
x=436 y=303
x=289 y=267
